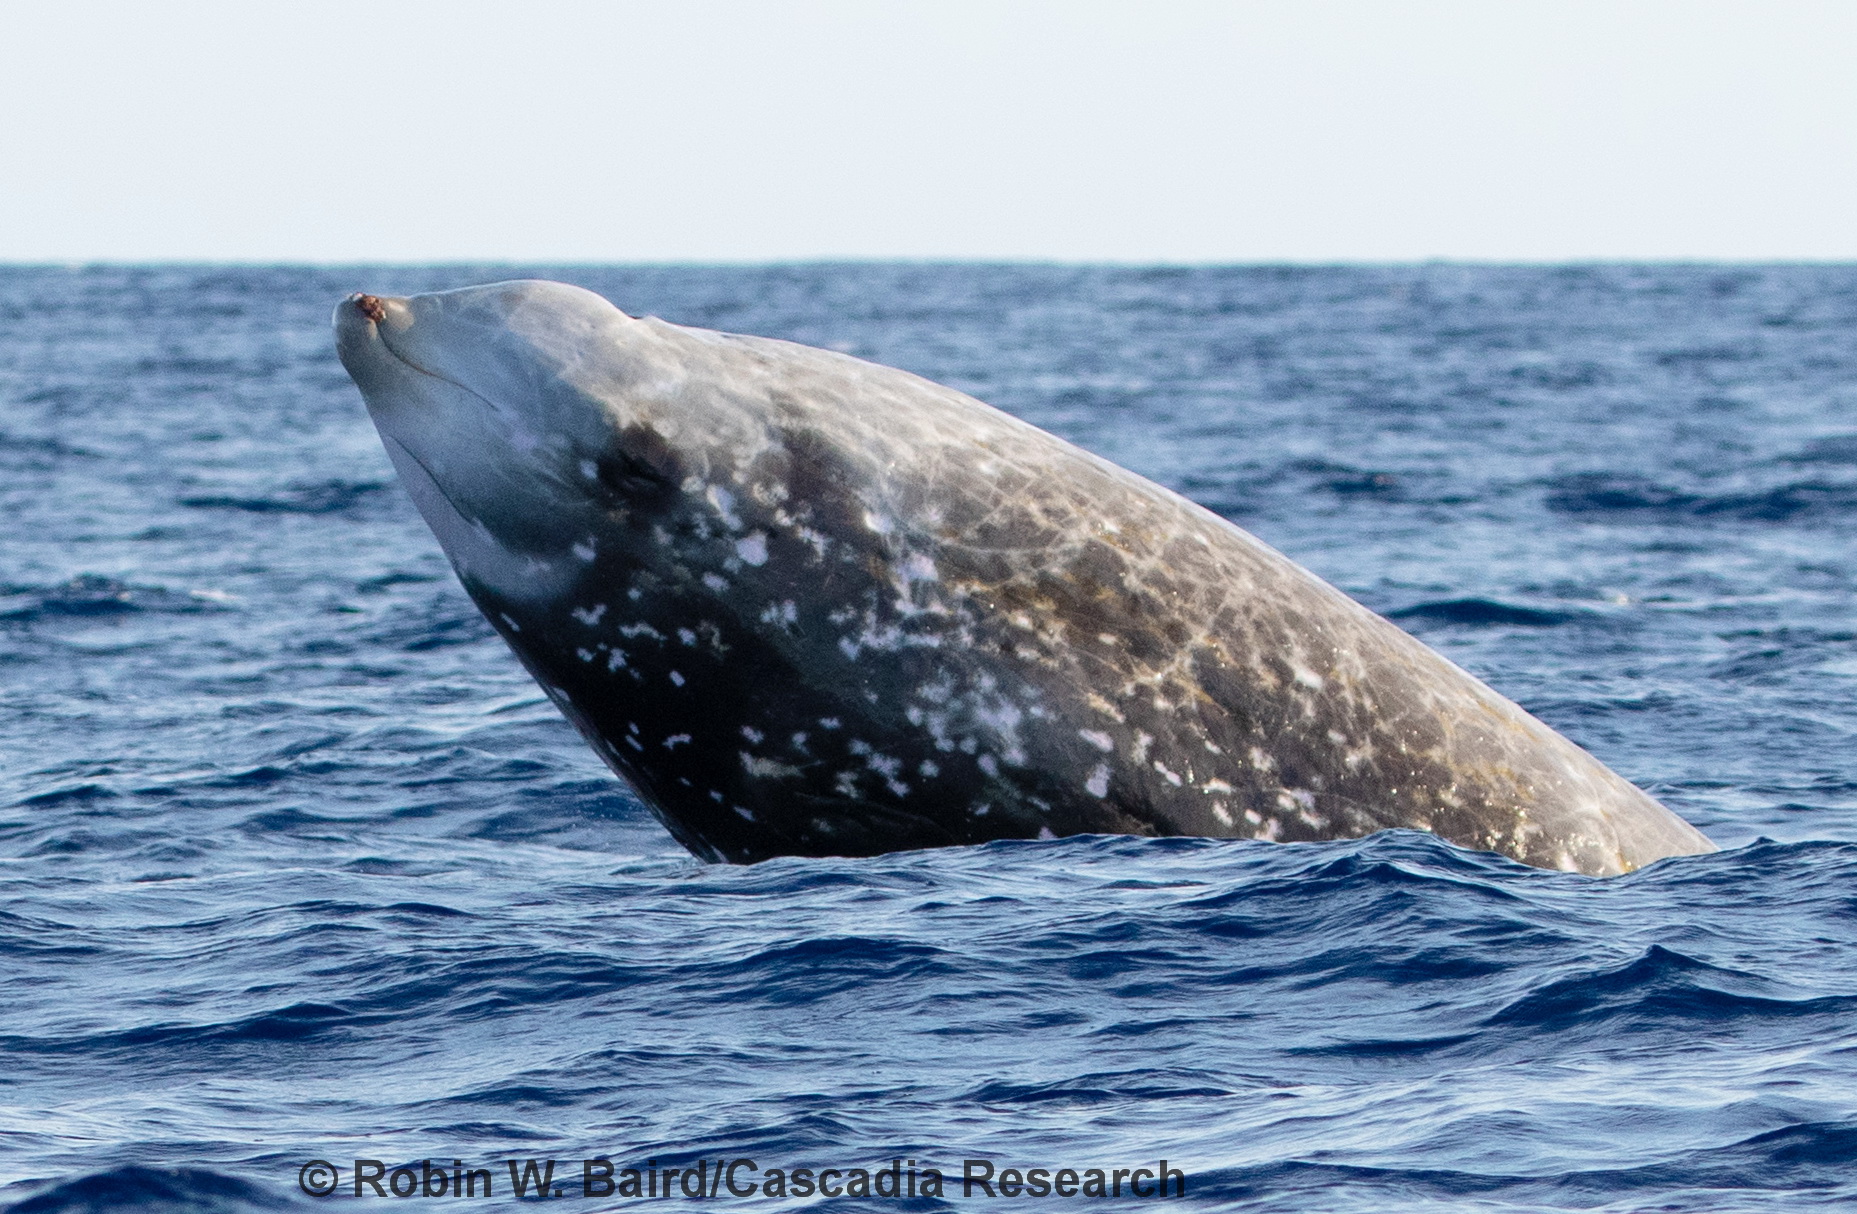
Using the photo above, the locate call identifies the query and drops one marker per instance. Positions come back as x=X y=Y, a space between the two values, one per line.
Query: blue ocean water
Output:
x=296 y=864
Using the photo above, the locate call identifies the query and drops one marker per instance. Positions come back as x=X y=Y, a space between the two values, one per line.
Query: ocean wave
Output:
x=1601 y=493
x=164 y=1190
x=1478 y=612
x=95 y=594
x=326 y=497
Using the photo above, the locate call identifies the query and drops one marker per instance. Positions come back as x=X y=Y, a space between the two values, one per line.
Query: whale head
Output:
x=614 y=495
x=519 y=416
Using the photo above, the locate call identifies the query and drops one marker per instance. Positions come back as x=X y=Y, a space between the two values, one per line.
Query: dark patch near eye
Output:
x=638 y=467
x=629 y=476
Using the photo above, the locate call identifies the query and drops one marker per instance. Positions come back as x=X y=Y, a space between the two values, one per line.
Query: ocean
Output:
x=305 y=887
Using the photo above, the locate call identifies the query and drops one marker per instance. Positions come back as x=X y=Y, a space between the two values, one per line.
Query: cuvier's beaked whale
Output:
x=808 y=605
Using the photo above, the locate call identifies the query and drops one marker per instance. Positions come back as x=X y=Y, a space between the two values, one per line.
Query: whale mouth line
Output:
x=380 y=331
x=437 y=484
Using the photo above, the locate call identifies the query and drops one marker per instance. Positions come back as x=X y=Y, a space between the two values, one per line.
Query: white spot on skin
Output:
x=589 y=469
x=1303 y=802
x=877 y=522
x=929 y=768
x=747 y=814
x=1098 y=739
x=1044 y=833
x=615 y=659
x=676 y=740
x=815 y=540
x=513 y=625
x=1003 y=718
x=590 y=615
x=686 y=636
x=1222 y=814
x=1308 y=678
x=757 y=766
x=585 y=549
x=989 y=764
x=634 y=743
x=918 y=568
x=715 y=794
x=752 y=549
x=676 y=678
x=1142 y=742
x=1098 y=783
x=716 y=582
x=828 y=722
x=752 y=734
x=1216 y=786
x=1171 y=777
x=724 y=502
x=585 y=655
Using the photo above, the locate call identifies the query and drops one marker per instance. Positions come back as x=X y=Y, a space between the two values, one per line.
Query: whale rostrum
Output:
x=809 y=605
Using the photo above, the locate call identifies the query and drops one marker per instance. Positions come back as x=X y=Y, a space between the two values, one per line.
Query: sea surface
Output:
x=296 y=864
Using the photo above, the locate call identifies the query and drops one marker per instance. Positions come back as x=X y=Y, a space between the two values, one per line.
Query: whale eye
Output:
x=627 y=476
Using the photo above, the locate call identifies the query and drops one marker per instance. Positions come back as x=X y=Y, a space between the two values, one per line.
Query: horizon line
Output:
x=1026 y=262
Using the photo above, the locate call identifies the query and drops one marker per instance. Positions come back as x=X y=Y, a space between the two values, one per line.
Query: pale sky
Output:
x=1076 y=130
